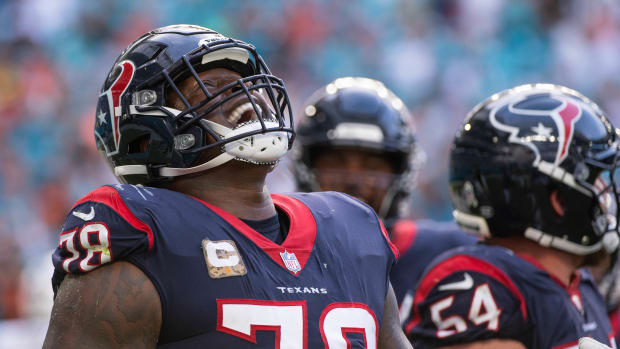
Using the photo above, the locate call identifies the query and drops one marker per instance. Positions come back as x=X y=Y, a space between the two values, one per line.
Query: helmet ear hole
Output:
x=139 y=145
x=557 y=203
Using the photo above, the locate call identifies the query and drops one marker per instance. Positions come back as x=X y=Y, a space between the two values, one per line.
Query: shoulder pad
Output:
x=99 y=229
x=462 y=298
x=112 y=198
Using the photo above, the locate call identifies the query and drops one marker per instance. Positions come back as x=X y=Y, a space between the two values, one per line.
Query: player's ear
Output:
x=557 y=203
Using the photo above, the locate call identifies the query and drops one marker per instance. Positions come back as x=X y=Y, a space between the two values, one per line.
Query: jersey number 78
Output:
x=243 y=317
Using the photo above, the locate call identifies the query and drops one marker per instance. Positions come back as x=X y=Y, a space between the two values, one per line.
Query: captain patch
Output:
x=223 y=259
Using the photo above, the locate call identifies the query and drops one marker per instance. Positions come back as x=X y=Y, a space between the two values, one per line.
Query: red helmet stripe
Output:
x=569 y=115
x=117 y=89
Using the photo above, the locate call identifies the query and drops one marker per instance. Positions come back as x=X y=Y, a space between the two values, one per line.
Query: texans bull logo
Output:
x=533 y=120
x=109 y=109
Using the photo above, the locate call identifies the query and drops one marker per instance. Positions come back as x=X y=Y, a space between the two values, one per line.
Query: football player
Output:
x=192 y=251
x=532 y=171
x=357 y=138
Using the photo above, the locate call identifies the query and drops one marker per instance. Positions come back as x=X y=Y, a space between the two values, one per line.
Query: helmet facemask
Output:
x=262 y=138
x=603 y=185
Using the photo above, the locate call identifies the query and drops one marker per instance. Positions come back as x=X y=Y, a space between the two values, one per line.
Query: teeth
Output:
x=258 y=162
x=235 y=115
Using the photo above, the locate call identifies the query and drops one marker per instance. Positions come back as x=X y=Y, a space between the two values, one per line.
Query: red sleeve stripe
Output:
x=456 y=264
x=111 y=198
x=404 y=233
x=614 y=319
x=387 y=238
x=571 y=345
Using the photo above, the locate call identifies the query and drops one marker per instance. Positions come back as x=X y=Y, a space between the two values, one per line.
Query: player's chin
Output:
x=371 y=201
x=594 y=259
x=374 y=199
x=263 y=165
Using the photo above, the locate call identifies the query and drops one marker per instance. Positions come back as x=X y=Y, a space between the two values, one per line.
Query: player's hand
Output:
x=589 y=343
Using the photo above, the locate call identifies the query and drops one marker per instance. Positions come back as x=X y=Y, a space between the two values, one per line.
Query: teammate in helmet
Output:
x=357 y=137
x=193 y=251
x=532 y=171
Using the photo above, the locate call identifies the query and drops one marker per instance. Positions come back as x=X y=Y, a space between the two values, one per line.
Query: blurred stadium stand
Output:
x=440 y=56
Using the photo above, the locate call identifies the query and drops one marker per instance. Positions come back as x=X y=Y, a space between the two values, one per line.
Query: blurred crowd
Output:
x=440 y=56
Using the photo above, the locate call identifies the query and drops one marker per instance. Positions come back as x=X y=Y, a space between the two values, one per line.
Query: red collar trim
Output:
x=301 y=234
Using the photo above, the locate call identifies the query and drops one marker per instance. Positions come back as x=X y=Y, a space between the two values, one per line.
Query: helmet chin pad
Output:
x=261 y=148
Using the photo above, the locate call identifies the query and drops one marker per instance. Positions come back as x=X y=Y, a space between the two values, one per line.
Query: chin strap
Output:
x=257 y=148
x=173 y=171
x=609 y=242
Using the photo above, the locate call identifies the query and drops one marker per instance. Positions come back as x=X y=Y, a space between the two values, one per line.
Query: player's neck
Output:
x=560 y=264
x=236 y=187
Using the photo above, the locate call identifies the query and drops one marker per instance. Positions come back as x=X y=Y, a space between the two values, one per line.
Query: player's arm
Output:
x=391 y=334
x=115 y=306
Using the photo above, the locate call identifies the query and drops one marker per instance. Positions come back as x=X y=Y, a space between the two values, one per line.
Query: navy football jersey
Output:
x=418 y=243
x=224 y=285
x=480 y=292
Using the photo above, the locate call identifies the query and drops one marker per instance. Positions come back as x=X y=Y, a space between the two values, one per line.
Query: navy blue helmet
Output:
x=360 y=114
x=147 y=141
x=539 y=161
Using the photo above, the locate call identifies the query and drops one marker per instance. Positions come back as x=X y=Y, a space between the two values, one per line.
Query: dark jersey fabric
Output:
x=224 y=285
x=479 y=292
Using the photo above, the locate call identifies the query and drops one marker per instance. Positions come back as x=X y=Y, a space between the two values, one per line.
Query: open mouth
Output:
x=242 y=113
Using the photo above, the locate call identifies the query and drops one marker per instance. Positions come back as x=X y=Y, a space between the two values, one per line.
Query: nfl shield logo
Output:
x=290 y=261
